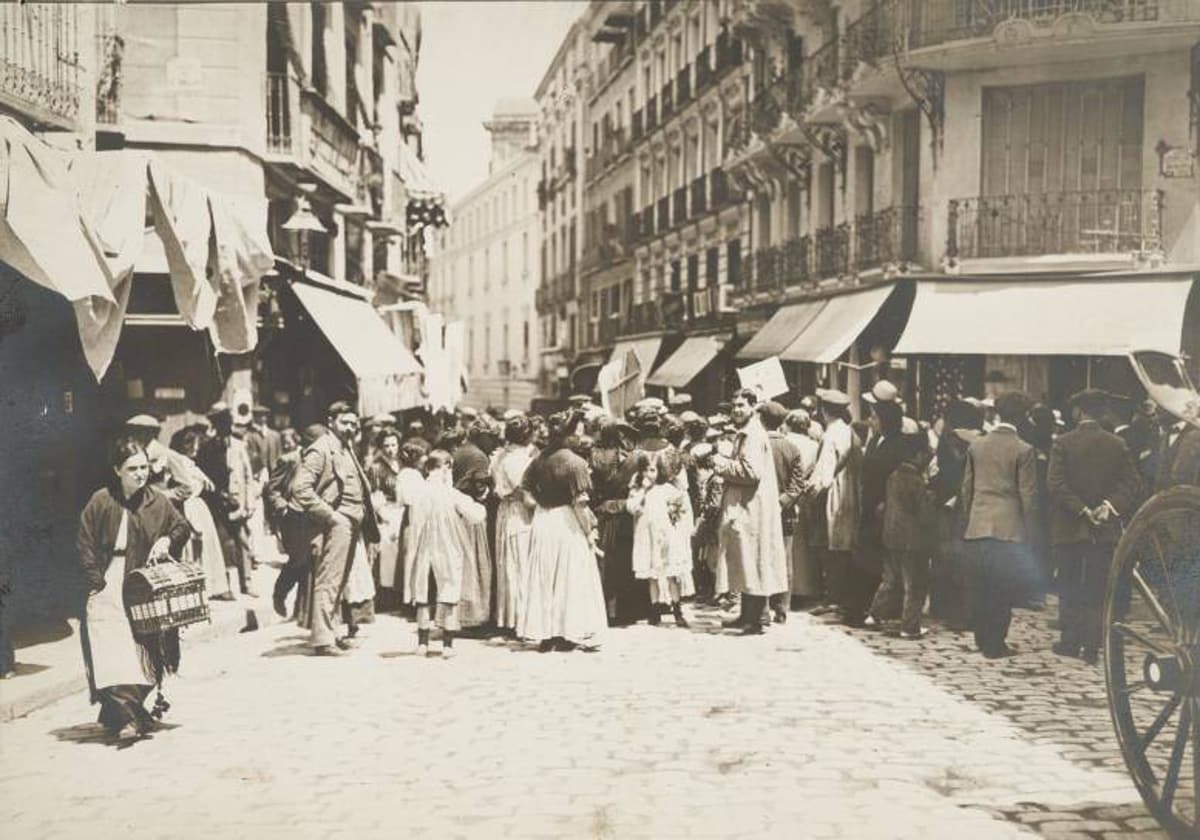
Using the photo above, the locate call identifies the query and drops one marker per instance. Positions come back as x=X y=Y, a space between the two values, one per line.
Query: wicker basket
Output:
x=165 y=596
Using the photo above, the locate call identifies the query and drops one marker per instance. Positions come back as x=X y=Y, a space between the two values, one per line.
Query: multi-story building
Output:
x=486 y=272
x=562 y=117
x=983 y=190
x=665 y=232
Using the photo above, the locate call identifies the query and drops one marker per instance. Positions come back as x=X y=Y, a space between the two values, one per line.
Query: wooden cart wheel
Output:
x=1152 y=647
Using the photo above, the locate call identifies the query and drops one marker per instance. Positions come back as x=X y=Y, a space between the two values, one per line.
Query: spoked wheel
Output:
x=1152 y=645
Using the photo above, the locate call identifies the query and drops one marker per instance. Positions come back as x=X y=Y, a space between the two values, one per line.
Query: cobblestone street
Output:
x=805 y=732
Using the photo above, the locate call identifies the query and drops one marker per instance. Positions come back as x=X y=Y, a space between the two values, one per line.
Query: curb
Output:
x=225 y=621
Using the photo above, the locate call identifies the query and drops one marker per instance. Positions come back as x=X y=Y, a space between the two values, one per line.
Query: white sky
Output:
x=473 y=53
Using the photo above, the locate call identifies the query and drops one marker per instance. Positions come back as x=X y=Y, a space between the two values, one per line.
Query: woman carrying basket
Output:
x=124 y=527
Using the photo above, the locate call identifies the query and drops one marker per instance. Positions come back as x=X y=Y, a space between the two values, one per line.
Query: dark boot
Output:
x=677 y=611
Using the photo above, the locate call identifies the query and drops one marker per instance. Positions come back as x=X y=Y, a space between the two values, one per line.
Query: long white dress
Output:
x=514 y=522
x=437 y=542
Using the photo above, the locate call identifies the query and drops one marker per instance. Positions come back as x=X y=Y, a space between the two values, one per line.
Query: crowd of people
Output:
x=550 y=530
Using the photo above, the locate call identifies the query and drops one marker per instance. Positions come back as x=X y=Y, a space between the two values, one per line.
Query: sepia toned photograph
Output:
x=600 y=419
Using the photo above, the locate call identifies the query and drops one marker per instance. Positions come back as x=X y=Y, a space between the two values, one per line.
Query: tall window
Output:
x=320 y=79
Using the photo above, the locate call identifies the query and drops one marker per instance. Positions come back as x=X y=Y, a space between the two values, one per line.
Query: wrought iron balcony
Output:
x=820 y=73
x=643 y=317
x=1072 y=222
x=785 y=94
x=699 y=196
x=928 y=23
x=777 y=267
x=309 y=132
x=831 y=252
x=39 y=61
x=885 y=237
x=683 y=86
x=870 y=38
x=651 y=114
x=667 y=100
x=664 y=214
x=679 y=209
x=110 y=53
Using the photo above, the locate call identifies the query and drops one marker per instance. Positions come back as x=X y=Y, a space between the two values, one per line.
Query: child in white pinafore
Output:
x=434 y=550
x=662 y=530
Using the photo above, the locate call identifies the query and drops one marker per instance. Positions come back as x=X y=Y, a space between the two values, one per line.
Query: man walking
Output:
x=751 y=528
x=1092 y=484
x=332 y=490
x=999 y=494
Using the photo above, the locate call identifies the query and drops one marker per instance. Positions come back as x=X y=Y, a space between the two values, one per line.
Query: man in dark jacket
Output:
x=286 y=516
x=1092 y=485
x=1177 y=460
x=883 y=452
x=999 y=506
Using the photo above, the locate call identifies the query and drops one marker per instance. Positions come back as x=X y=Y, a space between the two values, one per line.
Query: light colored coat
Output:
x=751 y=535
x=838 y=469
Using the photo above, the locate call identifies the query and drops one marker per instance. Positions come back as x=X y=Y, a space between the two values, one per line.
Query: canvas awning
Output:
x=1082 y=316
x=840 y=321
x=781 y=330
x=682 y=366
x=375 y=355
x=646 y=350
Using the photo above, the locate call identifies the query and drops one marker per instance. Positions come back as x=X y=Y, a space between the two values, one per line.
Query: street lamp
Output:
x=303 y=222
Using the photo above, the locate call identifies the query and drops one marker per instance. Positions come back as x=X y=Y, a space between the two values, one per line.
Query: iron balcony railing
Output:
x=926 y=23
x=886 y=236
x=647 y=220
x=651 y=114
x=872 y=37
x=679 y=209
x=667 y=100
x=1070 y=222
x=699 y=196
x=778 y=266
x=664 y=214
x=721 y=193
x=784 y=94
x=729 y=52
x=820 y=73
x=280 y=101
x=831 y=251
x=39 y=60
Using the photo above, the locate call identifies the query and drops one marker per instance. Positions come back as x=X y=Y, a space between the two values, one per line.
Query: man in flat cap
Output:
x=1093 y=485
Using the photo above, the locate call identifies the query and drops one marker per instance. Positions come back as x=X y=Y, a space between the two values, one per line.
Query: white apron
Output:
x=115 y=659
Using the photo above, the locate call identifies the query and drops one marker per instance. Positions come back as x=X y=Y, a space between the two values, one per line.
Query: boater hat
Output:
x=882 y=392
x=832 y=396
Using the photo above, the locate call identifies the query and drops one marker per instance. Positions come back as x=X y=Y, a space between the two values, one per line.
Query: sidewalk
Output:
x=49 y=672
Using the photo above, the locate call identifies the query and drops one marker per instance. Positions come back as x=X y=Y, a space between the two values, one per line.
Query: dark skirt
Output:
x=627 y=597
x=121 y=705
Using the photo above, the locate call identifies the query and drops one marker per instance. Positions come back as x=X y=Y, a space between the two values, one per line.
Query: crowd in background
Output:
x=552 y=529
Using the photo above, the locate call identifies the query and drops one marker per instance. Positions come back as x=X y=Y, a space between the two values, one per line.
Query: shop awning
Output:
x=1090 y=316
x=837 y=325
x=781 y=330
x=646 y=349
x=682 y=366
x=376 y=355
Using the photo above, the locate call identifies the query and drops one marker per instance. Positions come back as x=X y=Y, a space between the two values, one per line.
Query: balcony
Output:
x=679 y=209
x=39 y=64
x=667 y=99
x=1073 y=222
x=305 y=133
x=110 y=53
x=643 y=317
x=870 y=38
x=820 y=74
x=886 y=237
x=721 y=192
x=637 y=125
x=785 y=94
x=651 y=114
x=699 y=196
x=664 y=214
x=831 y=252
x=646 y=231
x=683 y=87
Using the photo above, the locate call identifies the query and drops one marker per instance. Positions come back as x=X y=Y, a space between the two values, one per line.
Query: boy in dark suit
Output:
x=1092 y=485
